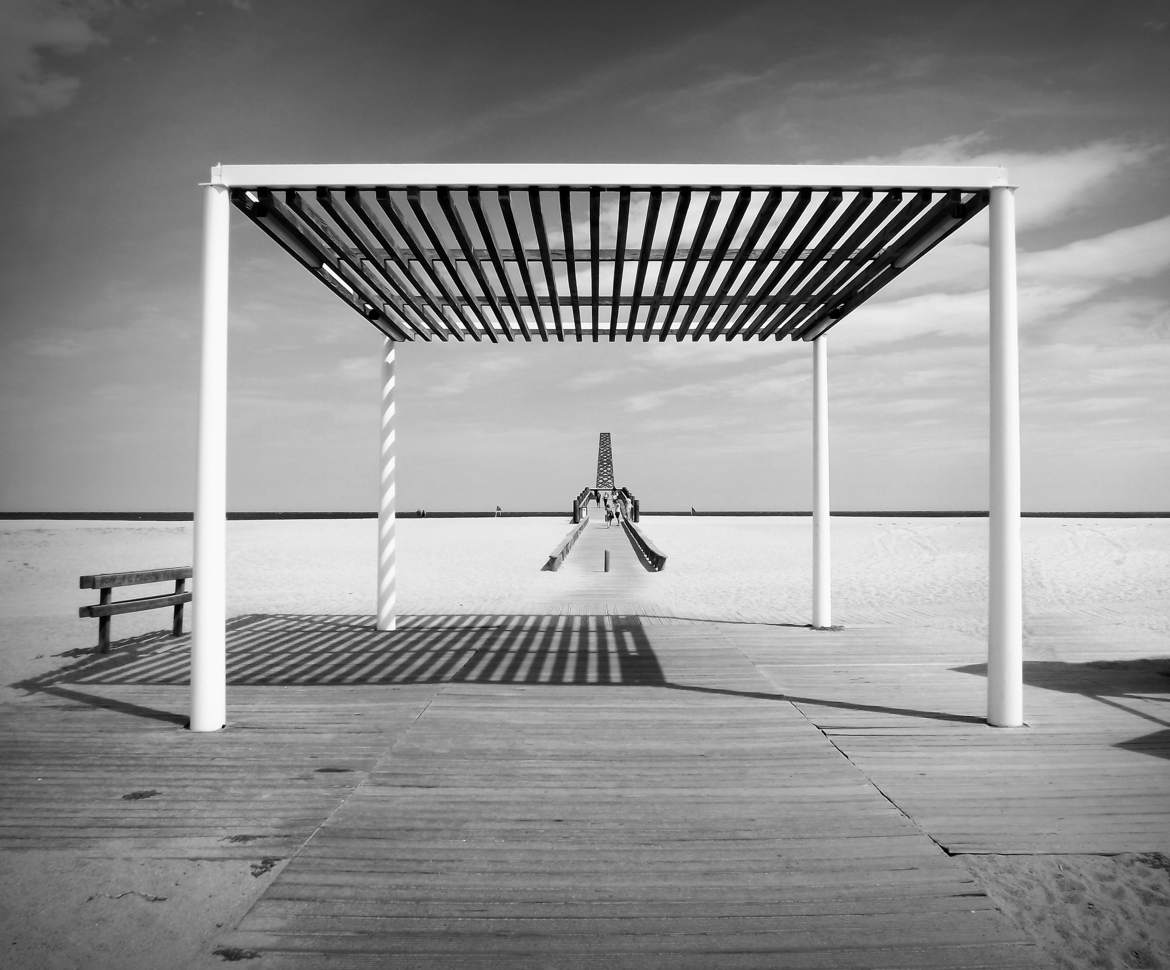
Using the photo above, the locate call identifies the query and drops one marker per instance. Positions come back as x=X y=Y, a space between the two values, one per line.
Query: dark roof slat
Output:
x=851 y=248
x=931 y=229
x=366 y=292
x=623 y=223
x=779 y=234
x=820 y=216
x=485 y=231
x=343 y=224
x=286 y=237
x=594 y=262
x=398 y=221
x=459 y=230
x=566 y=198
x=414 y=200
x=710 y=208
x=682 y=203
x=505 y=198
x=776 y=308
x=743 y=254
x=545 y=259
x=651 y=223
x=843 y=280
x=353 y=202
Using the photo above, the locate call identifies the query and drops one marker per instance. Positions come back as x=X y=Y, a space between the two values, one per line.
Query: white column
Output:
x=822 y=608
x=1005 y=667
x=208 y=654
x=387 y=544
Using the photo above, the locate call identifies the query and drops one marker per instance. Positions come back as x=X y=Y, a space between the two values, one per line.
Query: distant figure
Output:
x=692 y=510
x=499 y=511
x=608 y=516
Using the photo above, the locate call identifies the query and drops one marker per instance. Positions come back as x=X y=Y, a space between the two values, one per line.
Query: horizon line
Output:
x=488 y=514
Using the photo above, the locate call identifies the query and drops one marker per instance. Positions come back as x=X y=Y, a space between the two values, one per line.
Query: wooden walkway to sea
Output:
x=596 y=788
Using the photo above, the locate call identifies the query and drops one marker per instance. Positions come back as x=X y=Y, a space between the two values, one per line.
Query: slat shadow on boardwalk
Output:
x=541 y=791
x=537 y=790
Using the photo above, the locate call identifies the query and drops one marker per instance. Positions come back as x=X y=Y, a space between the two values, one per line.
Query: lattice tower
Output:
x=604 y=462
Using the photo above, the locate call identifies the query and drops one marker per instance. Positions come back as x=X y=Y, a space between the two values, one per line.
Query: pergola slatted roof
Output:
x=733 y=252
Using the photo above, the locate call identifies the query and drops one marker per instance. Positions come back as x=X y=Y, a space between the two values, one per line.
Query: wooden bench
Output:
x=105 y=608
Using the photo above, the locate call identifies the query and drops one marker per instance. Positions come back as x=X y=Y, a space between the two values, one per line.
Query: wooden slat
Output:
x=424 y=328
x=348 y=272
x=654 y=202
x=884 y=271
x=100 y=580
x=857 y=263
x=284 y=235
x=135 y=605
x=505 y=200
x=775 y=308
x=820 y=215
x=414 y=199
x=545 y=259
x=859 y=285
x=398 y=222
x=594 y=260
x=681 y=204
x=851 y=247
x=779 y=235
x=354 y=204
x=623 y=221
x=715 y=258
x=455 y=221
x=706 y=218
x=566 y=197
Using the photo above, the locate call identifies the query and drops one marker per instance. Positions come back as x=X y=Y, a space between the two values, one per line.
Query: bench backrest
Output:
x=109 y=580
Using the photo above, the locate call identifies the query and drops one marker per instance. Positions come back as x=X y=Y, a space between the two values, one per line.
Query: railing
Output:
x=557 y=557
x=654 y=558
x=104 y=608
x=581 y=503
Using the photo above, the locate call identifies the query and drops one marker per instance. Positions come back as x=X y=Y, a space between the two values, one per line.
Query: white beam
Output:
x=208 y=651
x=822 y=599
x=763 y=176
x=1005 y=683
x=387 y=495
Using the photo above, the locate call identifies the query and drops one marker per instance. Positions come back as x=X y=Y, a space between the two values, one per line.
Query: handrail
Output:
x=646 y=550
x=557 y=557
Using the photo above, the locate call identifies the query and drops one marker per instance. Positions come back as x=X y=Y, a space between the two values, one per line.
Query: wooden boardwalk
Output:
x=596 y=789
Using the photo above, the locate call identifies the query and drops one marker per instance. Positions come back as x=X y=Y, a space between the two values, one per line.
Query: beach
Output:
x=1106 y=580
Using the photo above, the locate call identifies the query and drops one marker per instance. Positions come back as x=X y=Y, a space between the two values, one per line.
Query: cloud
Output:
x=1052 y=184
x=29 y=29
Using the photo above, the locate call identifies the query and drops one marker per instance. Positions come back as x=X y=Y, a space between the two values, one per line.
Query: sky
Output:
x=111 y=114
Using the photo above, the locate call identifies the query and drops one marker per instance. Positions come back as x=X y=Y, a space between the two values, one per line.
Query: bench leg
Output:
x=177 y=625
x=104 y=622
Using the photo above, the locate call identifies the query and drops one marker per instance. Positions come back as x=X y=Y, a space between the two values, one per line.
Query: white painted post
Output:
x=822 y=608
x=209 y=613
x=1005 y=652
x=387 y=544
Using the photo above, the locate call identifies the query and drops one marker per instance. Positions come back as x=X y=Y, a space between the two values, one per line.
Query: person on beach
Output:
x=498 y=511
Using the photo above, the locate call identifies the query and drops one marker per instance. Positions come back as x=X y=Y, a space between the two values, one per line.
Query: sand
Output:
x=1086 y=911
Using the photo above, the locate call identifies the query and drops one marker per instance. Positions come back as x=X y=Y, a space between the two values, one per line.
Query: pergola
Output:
x=504 y=253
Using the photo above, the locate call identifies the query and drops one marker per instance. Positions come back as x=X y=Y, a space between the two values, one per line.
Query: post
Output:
x=209 y=616
x=387 y=542
x=104 y=621
x=1005 y=655
x=177 y=618
x=822 y=607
